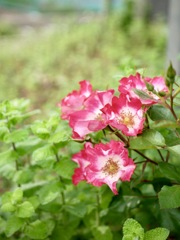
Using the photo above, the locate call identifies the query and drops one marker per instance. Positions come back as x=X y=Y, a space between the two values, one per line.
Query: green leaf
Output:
x=65 y=168
x=170 y=171
x=2 y=225
x=140 y=143
x=17 y=136
x=49 y=192
x=154 y=137
x=102 y=232
x=61 y=136
x=158 y=112
x=17 y=196
x=39 y=129
x=42 y=154
x=39 y=229
x=8 y=207
x=132 y=230
x=169 y=197
x=8 y=157
x=157 y=233
x=25 y=210
x=3 y=132
x=13 y=225
x=175 y=150
x=78 y=209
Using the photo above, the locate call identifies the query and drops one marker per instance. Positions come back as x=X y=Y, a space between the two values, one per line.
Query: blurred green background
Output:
x=46 y=48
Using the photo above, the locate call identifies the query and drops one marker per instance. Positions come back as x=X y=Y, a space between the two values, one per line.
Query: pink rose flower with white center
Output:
x=91 y=119
x=104 y=164
x=75 y=101
x=126 y=115
x=129 y=84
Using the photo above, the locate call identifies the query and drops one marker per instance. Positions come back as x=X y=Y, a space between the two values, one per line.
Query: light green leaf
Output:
x=140 y=143
x=42 y=154
x=102 y=232
x=2 y=225
x=154 y=137
x=13 y=225
x=133 y=229
x=8 y=207
x=39 y=229
x=175 y=150
x=25 y=210
x=3 y=132
x=65 y=168
x=61 y=136
x=49 y=192
x=142 y=94
x=157 y=233
x=17 y=196
x=17 y=136
x=170 y=171
x=78 y=209
x=40 y=130
x=169 y=197
x=8 y=157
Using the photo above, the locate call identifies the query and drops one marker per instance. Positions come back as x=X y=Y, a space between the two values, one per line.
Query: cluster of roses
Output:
x=89 y=111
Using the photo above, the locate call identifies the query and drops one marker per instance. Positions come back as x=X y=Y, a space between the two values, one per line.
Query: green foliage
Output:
x=132 y=230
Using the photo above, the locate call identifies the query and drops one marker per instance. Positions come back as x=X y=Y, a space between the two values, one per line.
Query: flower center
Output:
x=99 y=117
x=111 y=167
x=126 y=118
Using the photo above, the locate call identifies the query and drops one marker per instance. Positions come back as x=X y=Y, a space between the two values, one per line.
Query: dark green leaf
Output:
x=170 y=171
x=158 y=112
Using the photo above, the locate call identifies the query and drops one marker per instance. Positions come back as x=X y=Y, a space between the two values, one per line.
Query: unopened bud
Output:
x=170 y=76
x=149 y=86
x=162 y=94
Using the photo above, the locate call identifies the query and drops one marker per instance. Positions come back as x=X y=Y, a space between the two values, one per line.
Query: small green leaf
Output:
x=42 y=154
x=17 y=196
x=78 y=209
x=49 y=192
x=133 y=229
x=102 y=232
x=13 y=225
x=17 y=136
x=8 y=157
x=61 y=136
x=157 y=233
x=142 y=94
x=169 y=197
x=8 y=207
x=39 y=229
x=65 y=168
x=3 y=132
x=25 y=210
x=39 y=129
x=2 y=225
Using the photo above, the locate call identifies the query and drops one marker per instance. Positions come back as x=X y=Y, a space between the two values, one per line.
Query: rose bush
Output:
x=108 y=170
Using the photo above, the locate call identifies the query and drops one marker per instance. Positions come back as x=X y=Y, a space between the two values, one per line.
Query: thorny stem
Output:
x=167 y=156
x=147 y=158
x=160 y=154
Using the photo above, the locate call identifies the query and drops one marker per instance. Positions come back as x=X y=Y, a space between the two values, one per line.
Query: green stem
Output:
x=176 y=92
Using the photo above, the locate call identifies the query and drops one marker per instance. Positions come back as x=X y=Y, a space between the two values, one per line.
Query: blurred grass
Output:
x=45 y=64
